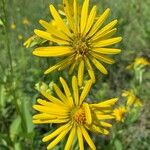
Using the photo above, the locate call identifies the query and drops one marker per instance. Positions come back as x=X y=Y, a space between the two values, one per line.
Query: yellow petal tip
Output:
x=44 y=139
x=120 y=39
x=108 y=9
x=60 y=78
x=51 y=6
x=40 y=21
x=46 y=72
x=35 y=31
x=34 y=52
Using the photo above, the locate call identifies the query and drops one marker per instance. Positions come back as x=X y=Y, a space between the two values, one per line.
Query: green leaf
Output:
x=118 y=144
x=3 y=147
x=15 y=128
x=1 y=22
x=27 y=117
x=17 y=146
x=2 y=96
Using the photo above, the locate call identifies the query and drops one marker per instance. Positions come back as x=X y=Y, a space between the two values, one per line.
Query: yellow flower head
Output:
x=25 y=21
x=13 y=26
x=140 y=61
x=20 y=37
x=119 y=113
x=132 y=100
x=72 y=115
x=79 y=39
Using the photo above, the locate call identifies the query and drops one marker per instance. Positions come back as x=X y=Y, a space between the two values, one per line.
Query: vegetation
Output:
x=21 y=74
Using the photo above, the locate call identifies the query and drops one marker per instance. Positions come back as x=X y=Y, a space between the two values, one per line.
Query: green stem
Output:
x=6 y=36
x=11 y=63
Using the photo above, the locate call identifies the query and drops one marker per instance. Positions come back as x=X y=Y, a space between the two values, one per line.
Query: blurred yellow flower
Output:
x=119 y=113
x=140 y=61
x=28 y=42
x=20 y=37
x=25 y=21
x=73 y=116
x=132 y=100
x=13 y=26
x=81 y=40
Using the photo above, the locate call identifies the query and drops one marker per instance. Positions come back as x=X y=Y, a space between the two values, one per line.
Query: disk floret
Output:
x=80 y=46
x=79 y=116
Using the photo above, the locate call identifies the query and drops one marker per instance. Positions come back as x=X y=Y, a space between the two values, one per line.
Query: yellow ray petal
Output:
x=51 y=105
x=50 y=69
x=75 y=90
x=43 y=116
x=47 y=36
x=85 y=91
x=107 y=50
x=65 y=65
x=58 y=138
x=104 y=117
x=51 y=98
x=104 y=30
x=99 y=22
x=81 y=73
x=46 y=109
x=87 y=113
x=99 y=66
x=47 y=117
x=58 y=65
x=67 y=91
x=80 y=138
x=84 y=15
x=131 y=100
x=60 y=94
x=98 y=129
x=90 y=20
x=87 y=138
x=50 y=121
x=76 y=15
x=107 y=103
x=72 y=67
x=55 y=133
x=53 y=31
x=107 y=42
x=70 y=138
x=53 y=51
x=59 y=21
x=103 y=58
x=105 y=124
x=106 y=35
x=44 y=102
x=90 y=69
x=68 y=11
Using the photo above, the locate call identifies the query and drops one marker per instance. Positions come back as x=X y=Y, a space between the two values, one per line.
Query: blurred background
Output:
x=20 y=71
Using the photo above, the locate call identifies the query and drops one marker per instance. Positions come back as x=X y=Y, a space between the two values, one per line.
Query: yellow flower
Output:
x=140 y=61
x=20 y=37
x=13 y=26
x=80 y=39
x=132 y=99
x=119 y=113
x=72 y=115
x=25 y=21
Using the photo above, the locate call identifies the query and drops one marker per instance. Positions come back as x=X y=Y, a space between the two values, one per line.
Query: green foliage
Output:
x=20 y=71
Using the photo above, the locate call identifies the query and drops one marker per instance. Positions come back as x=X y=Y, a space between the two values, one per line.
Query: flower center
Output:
x=80 y=45
x=79 y=116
